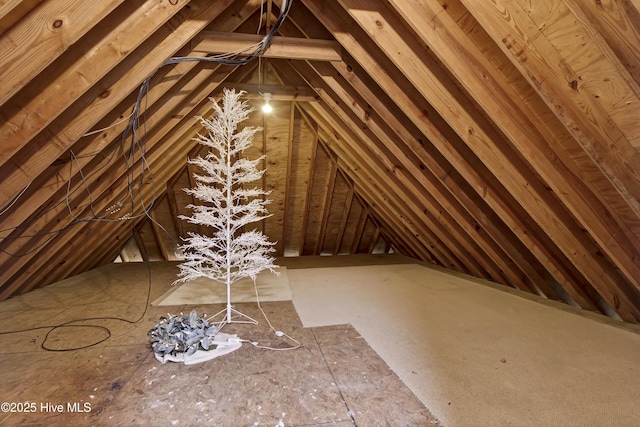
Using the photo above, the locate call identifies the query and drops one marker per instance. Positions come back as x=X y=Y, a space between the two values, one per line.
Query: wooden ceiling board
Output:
x=626 y=176
x=371 y=201
x=414 y=173
x=98 y=100
x=148 y=241
x=156 y=151
x=406 y=170
x=441 y=175
x=479 y=182
x=369 y=168
x=587 y=121
x=46 y=99
x=355 y=210
x=616 y=24
x=600 y=71
x=65 y=258
x=337 y=203
x=208 y=42
x=179 y=200
x=498 y=140
x=12 y=11
x=106 y=253
x=367 y=238
x=528 y=140
x=164 y=226
x=49 y=32
x=302 y=159
x=323 y=171
x=360 y=55
x=344 y=215
x=383 y=191
x=277 y=126
x=66 y=253
x=94 y=142
x=407 y=244
x=326 y=205
x=363 y=53
x=103 y=185
x=586 y=179
x=487 y=145
x=190 y=122
x=431 y=192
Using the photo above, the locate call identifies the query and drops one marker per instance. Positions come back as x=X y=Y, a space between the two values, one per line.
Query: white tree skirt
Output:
x=223 y=347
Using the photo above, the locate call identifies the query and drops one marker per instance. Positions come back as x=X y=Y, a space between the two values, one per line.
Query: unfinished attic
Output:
x=455 y=206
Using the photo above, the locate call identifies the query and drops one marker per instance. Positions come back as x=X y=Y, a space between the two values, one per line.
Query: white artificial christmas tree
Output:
x=228 y=253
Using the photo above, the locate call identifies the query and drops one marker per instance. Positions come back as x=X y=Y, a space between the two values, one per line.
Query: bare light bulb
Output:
x=266 y=108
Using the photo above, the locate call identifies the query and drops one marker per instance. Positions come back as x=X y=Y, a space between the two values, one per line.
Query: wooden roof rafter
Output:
x=328 y=13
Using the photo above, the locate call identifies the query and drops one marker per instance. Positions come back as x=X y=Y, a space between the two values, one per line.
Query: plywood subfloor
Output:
x=333 y=378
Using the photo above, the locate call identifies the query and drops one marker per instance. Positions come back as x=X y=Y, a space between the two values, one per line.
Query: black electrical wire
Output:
x=132 y=129
x=236 y=59
x=73 y=323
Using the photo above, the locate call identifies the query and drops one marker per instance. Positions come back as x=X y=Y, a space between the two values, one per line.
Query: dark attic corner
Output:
x=454 y=210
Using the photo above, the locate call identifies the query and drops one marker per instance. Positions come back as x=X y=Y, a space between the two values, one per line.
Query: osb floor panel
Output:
x=333 y=378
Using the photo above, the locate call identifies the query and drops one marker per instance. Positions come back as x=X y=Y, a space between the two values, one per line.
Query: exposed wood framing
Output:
x=280 y=47
x=495 y=139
